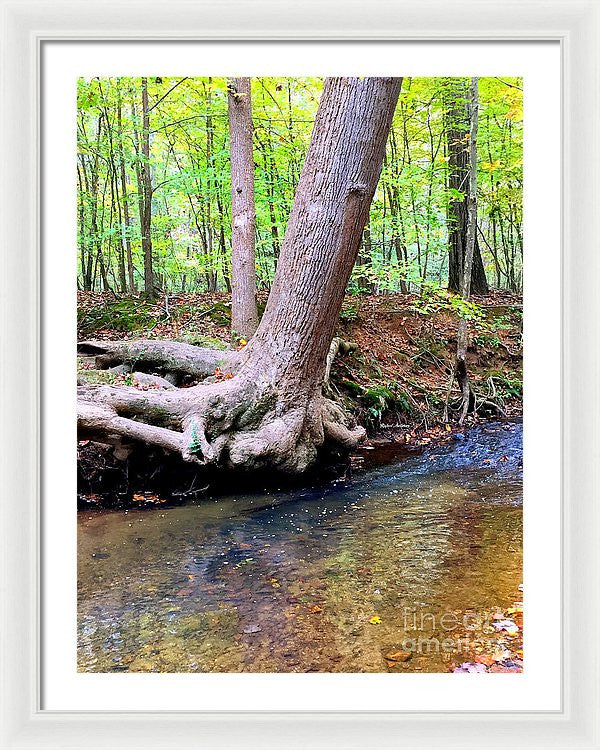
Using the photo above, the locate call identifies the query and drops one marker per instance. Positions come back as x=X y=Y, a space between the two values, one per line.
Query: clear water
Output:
x=332 y=579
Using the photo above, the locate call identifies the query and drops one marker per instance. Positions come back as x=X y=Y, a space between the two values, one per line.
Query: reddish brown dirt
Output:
x=405 y=344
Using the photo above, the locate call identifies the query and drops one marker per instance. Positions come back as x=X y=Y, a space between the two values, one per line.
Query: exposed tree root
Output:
x=338 y=346
x=238 y=423
x=149 y=355
x=243 y=422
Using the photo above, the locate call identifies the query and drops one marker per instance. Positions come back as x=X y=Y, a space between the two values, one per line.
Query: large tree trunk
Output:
x=457 y=134
x=244 y=316
x=272 y=412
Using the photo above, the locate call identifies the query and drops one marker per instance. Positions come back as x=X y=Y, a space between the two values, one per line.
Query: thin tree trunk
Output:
x=459 y=165
x=465 y=290
x=125 y=230
x=212 y=274
x=244 y=315
x=147 y=196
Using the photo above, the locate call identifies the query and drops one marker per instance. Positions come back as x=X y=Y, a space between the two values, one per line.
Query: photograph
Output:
x=300 y=374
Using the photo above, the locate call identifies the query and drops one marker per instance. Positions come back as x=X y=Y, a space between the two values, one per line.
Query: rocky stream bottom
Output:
x=413 y=565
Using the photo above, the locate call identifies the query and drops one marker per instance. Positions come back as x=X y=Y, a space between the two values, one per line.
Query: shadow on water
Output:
x=328 y=579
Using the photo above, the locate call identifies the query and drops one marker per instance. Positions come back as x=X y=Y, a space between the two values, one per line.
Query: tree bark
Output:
x=459 y=163
x=272 y=413
x=125 y=230
x=244 y=315
x=146 y=218
x=471 y=237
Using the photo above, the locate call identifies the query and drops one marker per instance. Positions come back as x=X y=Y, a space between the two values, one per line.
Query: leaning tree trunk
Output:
x=272 y=413
x=244 y=316
x=459 y=164
x=463 y=332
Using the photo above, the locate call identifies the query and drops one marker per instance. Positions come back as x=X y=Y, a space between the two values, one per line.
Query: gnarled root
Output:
x=239 y=423
x=337 y=430
x=101 y=420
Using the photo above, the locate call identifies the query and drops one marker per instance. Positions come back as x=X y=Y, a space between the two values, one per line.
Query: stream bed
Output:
x=400 y=568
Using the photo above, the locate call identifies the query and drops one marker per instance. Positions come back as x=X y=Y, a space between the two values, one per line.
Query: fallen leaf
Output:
x=398 y=656
x=500 y=654
x=315 y=609
x=375 y=620
x=251 y=629
x=508 y=626
x=470 y=667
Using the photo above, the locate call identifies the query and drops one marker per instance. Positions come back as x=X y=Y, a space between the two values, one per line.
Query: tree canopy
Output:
x=185 y=178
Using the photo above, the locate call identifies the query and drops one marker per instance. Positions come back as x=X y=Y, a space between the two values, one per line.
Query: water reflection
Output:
x=329 y=579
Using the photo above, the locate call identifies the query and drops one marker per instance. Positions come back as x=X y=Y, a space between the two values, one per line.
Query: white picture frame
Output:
x=26 y=25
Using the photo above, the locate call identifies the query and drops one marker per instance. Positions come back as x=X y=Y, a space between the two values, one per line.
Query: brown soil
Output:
x=406 y=345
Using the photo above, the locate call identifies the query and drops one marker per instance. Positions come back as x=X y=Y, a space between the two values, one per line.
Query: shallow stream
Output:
x=332 y=579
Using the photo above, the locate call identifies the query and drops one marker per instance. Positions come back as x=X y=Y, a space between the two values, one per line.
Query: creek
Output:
x=331 y=578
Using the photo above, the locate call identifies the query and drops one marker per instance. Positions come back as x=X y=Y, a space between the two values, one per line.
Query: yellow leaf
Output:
x=491 y=166
x=514 y=113
x=375 y=620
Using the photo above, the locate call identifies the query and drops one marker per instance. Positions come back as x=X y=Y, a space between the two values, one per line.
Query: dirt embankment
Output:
x=399 y=374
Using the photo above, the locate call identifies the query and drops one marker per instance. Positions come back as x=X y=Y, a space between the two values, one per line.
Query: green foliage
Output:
x=376 y=401
x=349 y=313
x=509 y=387
x=486 y=339
x=434 y=300
x=406 y=246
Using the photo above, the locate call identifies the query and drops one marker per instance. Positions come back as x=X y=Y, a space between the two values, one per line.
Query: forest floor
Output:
x=396 y=382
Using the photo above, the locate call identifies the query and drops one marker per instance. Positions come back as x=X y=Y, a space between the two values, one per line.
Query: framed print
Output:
x=325 y=471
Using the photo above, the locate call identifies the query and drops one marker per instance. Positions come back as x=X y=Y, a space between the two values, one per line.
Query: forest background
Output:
x=165 y=141
x=155 y=234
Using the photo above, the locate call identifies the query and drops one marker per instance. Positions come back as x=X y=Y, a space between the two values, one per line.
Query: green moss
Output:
x=220 y=313
x=198 y=339
x=194 y=446
x=93 y=376
x=353 y=387
x=124 y=315
x=96 y=377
